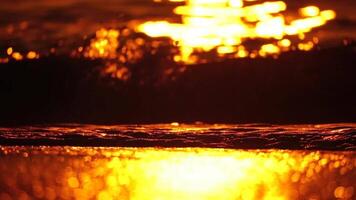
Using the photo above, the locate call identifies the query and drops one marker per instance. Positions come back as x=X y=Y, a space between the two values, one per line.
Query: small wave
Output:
x=234 y=136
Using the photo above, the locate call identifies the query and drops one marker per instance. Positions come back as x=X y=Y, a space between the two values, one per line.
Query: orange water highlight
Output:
x=224 y=25
x=174 y=174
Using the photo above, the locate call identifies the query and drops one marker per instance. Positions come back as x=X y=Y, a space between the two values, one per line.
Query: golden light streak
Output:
x=309 y=11
x=17 y=56
x=175 y=173
x=305 y=46
x=328 y=14
x=242 y=52
x=284 y=43
x=32 y=55
x=269 y=49
x=9 y=51
x=225 y=24
x=174 y=124
x=104 y=45
x=11 y=54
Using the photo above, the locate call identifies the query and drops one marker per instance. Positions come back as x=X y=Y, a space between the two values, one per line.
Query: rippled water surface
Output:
x=172 y=161
x=164 y=161
x=242 y=136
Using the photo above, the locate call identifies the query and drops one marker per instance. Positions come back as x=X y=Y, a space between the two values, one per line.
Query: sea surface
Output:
x=336 y=137
x=178 y=161
x=43 y=24
x=165 y=161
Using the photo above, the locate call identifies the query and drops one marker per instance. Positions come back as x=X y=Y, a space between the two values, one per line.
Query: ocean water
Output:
x=232 y=136
x=164 y=161
x=174 y=173
x=178 y=161
x=44 y=24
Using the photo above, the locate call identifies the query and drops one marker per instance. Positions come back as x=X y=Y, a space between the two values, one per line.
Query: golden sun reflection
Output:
x=225 y=24
x=175 y=173
x=104 y=45
x=11 y=54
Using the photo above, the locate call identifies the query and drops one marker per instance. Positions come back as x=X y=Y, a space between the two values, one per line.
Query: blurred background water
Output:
x=42 y=24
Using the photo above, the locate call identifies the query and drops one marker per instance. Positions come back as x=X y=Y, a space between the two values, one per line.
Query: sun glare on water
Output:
x=208 y=30
x=225 y=24
x=174 y=174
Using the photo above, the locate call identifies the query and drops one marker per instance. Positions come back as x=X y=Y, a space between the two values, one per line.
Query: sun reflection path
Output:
x=225 y=24
x=175 y=173
x=11 y=54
